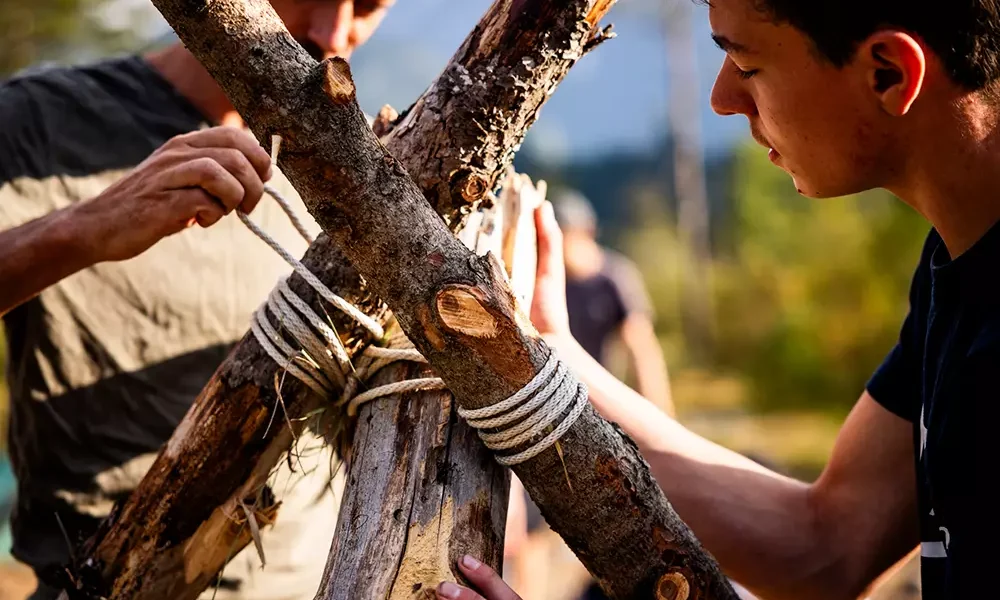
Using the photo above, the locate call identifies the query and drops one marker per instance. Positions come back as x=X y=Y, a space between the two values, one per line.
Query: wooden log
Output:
x=175 y=533
x=421 y=489
x=455 y=307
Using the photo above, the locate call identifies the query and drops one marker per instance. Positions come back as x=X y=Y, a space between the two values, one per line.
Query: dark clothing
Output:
x=944 y=377
x=598 y=305
x=105 y=363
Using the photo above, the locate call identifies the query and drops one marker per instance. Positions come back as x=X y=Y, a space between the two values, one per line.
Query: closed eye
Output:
x=745 y=73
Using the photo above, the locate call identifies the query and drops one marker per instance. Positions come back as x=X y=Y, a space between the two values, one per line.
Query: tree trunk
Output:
x=690 y=188
x=455 y=307
x=178 y=529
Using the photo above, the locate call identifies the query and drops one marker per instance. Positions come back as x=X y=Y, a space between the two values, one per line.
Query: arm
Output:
x=639 y=339
x=193 y=178
x=779 y=537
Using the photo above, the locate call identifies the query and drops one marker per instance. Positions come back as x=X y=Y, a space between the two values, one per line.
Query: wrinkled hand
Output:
x=197 y=177
x=548 y=303
x=489 y=584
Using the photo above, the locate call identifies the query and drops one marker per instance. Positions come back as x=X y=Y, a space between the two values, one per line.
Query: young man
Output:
x=118 y=310
x=849 y=95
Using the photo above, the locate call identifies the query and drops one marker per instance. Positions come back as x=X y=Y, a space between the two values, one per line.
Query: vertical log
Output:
x=421 y=489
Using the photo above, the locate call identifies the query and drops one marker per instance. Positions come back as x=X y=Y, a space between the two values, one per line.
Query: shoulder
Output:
x=623 y=274
x=896 y=382
x=620 y=269
x=85 y=119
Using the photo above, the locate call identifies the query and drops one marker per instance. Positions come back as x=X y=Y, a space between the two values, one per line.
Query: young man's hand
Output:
x=197 y=177
x=485 y=579
x=548 y=303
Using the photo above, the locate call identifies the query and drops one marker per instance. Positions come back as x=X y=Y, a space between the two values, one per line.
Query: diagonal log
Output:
x=454 y=306
x=175 y=533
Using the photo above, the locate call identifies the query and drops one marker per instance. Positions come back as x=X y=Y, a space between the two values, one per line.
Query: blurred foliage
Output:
x=809 y=294
x=35 y=31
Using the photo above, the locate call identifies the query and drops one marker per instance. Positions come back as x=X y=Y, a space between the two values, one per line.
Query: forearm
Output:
x=38 y=254
x=652 y=378
x=646 y=358
x=763 y=527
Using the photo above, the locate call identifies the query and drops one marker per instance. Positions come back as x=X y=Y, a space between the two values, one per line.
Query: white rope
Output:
x=324 y=365
x=548 y=396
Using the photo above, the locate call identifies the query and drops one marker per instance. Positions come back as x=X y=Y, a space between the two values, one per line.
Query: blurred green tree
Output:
x=809 y=294
x=33 y=31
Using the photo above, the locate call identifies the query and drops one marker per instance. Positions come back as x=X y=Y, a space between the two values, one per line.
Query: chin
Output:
x=811 y=188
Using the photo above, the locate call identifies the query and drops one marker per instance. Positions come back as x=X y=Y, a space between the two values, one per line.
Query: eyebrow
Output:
x=728 y=45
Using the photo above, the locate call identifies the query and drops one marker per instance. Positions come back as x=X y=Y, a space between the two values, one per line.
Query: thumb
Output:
x=550 y=242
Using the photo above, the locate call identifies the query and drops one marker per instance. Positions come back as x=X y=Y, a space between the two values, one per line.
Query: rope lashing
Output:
x=323 y=364
x=529 y=412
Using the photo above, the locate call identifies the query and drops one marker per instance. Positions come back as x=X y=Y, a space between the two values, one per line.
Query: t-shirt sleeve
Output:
x=896 y=382
x=16 y=115
x=633 y=297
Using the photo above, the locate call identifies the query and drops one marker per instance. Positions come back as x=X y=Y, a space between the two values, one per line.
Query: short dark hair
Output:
x=965 y=34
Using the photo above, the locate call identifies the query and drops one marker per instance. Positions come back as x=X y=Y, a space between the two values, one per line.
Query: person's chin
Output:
x=821 y=190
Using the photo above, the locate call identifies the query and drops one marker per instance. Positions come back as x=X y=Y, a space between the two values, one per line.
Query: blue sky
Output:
x=615 y=98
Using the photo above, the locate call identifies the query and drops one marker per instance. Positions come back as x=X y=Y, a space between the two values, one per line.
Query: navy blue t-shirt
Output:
x=943 y=375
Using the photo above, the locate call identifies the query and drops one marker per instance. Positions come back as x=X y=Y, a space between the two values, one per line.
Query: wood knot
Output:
x=673 y=586
x=337 y=81
x=461 y=311
x=472 y=187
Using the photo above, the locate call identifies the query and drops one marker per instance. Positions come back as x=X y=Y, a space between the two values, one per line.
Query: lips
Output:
x=772 y=154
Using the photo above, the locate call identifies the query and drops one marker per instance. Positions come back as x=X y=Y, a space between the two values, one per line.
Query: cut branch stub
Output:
x=462 y=313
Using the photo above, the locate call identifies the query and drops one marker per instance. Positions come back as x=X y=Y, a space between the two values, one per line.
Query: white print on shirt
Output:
x=938 y=549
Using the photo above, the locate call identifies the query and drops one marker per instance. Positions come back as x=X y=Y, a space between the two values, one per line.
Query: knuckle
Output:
x=205 y=168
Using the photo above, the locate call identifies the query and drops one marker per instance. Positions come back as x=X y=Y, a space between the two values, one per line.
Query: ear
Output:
x=895 y=66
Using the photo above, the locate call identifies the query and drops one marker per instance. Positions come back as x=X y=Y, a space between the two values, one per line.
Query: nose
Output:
x=330 y=27
x=729 y=94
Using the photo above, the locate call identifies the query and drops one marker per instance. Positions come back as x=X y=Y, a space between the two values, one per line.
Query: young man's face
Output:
x=822 y=124
x=327 y=28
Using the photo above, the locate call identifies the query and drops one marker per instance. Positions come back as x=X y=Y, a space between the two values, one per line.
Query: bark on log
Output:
x=185 y=520
x=455 y=307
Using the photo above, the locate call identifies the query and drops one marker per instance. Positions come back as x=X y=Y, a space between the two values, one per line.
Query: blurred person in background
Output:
x=607 y=300
x=118 y=310
x=608 y=306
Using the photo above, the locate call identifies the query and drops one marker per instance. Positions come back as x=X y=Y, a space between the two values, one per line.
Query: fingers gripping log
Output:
x=610 y=512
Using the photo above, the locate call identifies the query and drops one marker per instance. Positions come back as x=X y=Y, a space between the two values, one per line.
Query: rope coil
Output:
x=545 y=399
x=323 y=364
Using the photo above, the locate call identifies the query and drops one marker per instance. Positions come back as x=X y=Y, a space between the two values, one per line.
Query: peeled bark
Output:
x=175 y=533
x=455 y=307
